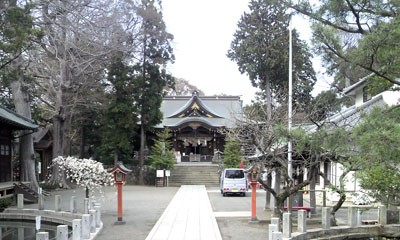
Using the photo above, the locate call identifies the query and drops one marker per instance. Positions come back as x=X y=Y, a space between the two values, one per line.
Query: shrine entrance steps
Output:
x=194 y=174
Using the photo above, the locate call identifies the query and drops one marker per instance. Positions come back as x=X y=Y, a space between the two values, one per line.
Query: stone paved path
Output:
x=188 y=216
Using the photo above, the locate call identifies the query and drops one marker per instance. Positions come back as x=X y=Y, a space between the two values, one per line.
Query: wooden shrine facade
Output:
x=197 y=124
x=10 y=122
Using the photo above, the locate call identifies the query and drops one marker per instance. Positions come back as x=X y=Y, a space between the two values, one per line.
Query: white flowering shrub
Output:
x=86 y=173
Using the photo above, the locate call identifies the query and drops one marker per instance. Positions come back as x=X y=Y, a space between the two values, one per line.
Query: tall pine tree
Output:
x=261 y=50
x=119 y=122
x=156 y=52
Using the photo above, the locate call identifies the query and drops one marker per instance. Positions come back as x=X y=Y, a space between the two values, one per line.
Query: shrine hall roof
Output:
x=15 y=120
x=211 y=111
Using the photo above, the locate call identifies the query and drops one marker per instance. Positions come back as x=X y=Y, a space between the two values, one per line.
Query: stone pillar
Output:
x=276 y=222
x=20 y=201
x=358 y=217
x=287 y=225
x=352 y=217
x=62 y=232
x=41 y=202
x=92 y=221
x=86 y=206
x=21 y=233
x=42 y=236
x=271 y=229
x=57 y=203
x=302 y=221
x=277 y=236
x=272 y=200
x=85 y=226
x=76 y=229
x=326 y=217
x=98 y=215
x=72 y=205
x=382 y=215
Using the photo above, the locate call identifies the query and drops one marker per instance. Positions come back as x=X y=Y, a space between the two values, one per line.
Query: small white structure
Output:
x=351 y=116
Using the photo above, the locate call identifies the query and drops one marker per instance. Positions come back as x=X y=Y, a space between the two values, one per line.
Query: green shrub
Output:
x=4 y=203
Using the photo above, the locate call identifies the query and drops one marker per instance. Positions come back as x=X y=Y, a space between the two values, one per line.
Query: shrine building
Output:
x=197 y=124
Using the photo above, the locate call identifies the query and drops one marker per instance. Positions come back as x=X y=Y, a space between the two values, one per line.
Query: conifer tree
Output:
x=232 y=154
x=119 y=121
x=162 y=156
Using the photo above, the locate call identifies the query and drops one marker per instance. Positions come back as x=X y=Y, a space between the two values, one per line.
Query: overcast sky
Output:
x=203 y=31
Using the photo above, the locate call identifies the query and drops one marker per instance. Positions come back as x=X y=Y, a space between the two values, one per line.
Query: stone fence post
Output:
x=302 y=221
x=62 y=232
x=326 y=217
x=85 y=226
x=57 y=203
x=42 y=236
x=20 y=201
x=287 y=225
x=76 y=229
x=382 y=215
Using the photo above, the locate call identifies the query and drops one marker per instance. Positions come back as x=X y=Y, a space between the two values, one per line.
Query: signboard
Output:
x=167 y=173
x=160 y=173
x=38 y=219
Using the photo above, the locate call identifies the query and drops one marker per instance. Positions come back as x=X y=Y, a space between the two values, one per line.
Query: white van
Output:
x=233 y=180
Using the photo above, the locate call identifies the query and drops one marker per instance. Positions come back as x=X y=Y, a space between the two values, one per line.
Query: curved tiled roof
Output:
x=223 y=111
x=17 y=121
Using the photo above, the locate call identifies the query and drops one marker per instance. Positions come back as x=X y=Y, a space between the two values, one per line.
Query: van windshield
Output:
x=234 y=174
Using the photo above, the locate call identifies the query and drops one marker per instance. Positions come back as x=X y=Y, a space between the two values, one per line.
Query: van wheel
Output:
x=224 y=194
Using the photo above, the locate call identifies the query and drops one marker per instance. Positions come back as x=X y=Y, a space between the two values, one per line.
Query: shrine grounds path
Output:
x=144 y=205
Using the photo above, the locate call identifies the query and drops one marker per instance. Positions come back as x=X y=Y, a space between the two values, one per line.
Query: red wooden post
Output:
x=119 y=172
x=253 y=201
x=119 y=185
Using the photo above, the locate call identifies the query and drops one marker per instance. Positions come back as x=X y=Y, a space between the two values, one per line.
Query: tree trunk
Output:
x=58 y=177
x=83 y=143
x=26 y=151
x=141 y=153
x=267 y=193
x=269 y=99
x=313 y=201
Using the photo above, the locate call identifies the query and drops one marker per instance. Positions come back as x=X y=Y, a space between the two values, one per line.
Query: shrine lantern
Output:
x=252 y=174
x=119 y=172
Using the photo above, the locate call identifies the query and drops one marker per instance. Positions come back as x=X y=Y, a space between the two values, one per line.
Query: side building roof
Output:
x=15 y=120
x=212 y=111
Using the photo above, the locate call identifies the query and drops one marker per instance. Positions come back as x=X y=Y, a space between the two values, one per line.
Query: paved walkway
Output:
x=188 y=216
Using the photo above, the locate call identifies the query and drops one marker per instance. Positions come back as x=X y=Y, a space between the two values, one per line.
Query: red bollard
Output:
x=119 y=185
x=253 y=201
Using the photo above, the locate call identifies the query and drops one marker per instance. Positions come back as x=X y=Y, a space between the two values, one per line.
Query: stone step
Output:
x=194 y=174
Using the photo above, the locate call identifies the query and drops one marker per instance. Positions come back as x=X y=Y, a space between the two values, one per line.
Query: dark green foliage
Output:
x=232 y=154
x=261 y=49
x=383 y=183
x=119 y=121
x=4 y=203
x=17 y=32
x=162 y=157
x=356 y=38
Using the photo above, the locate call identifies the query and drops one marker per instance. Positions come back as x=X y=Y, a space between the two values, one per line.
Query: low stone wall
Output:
x=353 y=230
x=346 y=232
x=86 y=225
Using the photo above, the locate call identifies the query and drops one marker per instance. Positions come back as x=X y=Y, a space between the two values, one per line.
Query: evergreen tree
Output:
x=356 y=38
x=261 y=50
x=156 y=52
x=232 y=154
x=162 y=156
x=119 y=121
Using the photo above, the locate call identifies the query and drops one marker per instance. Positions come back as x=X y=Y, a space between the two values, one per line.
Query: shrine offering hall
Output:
x=197 y=124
